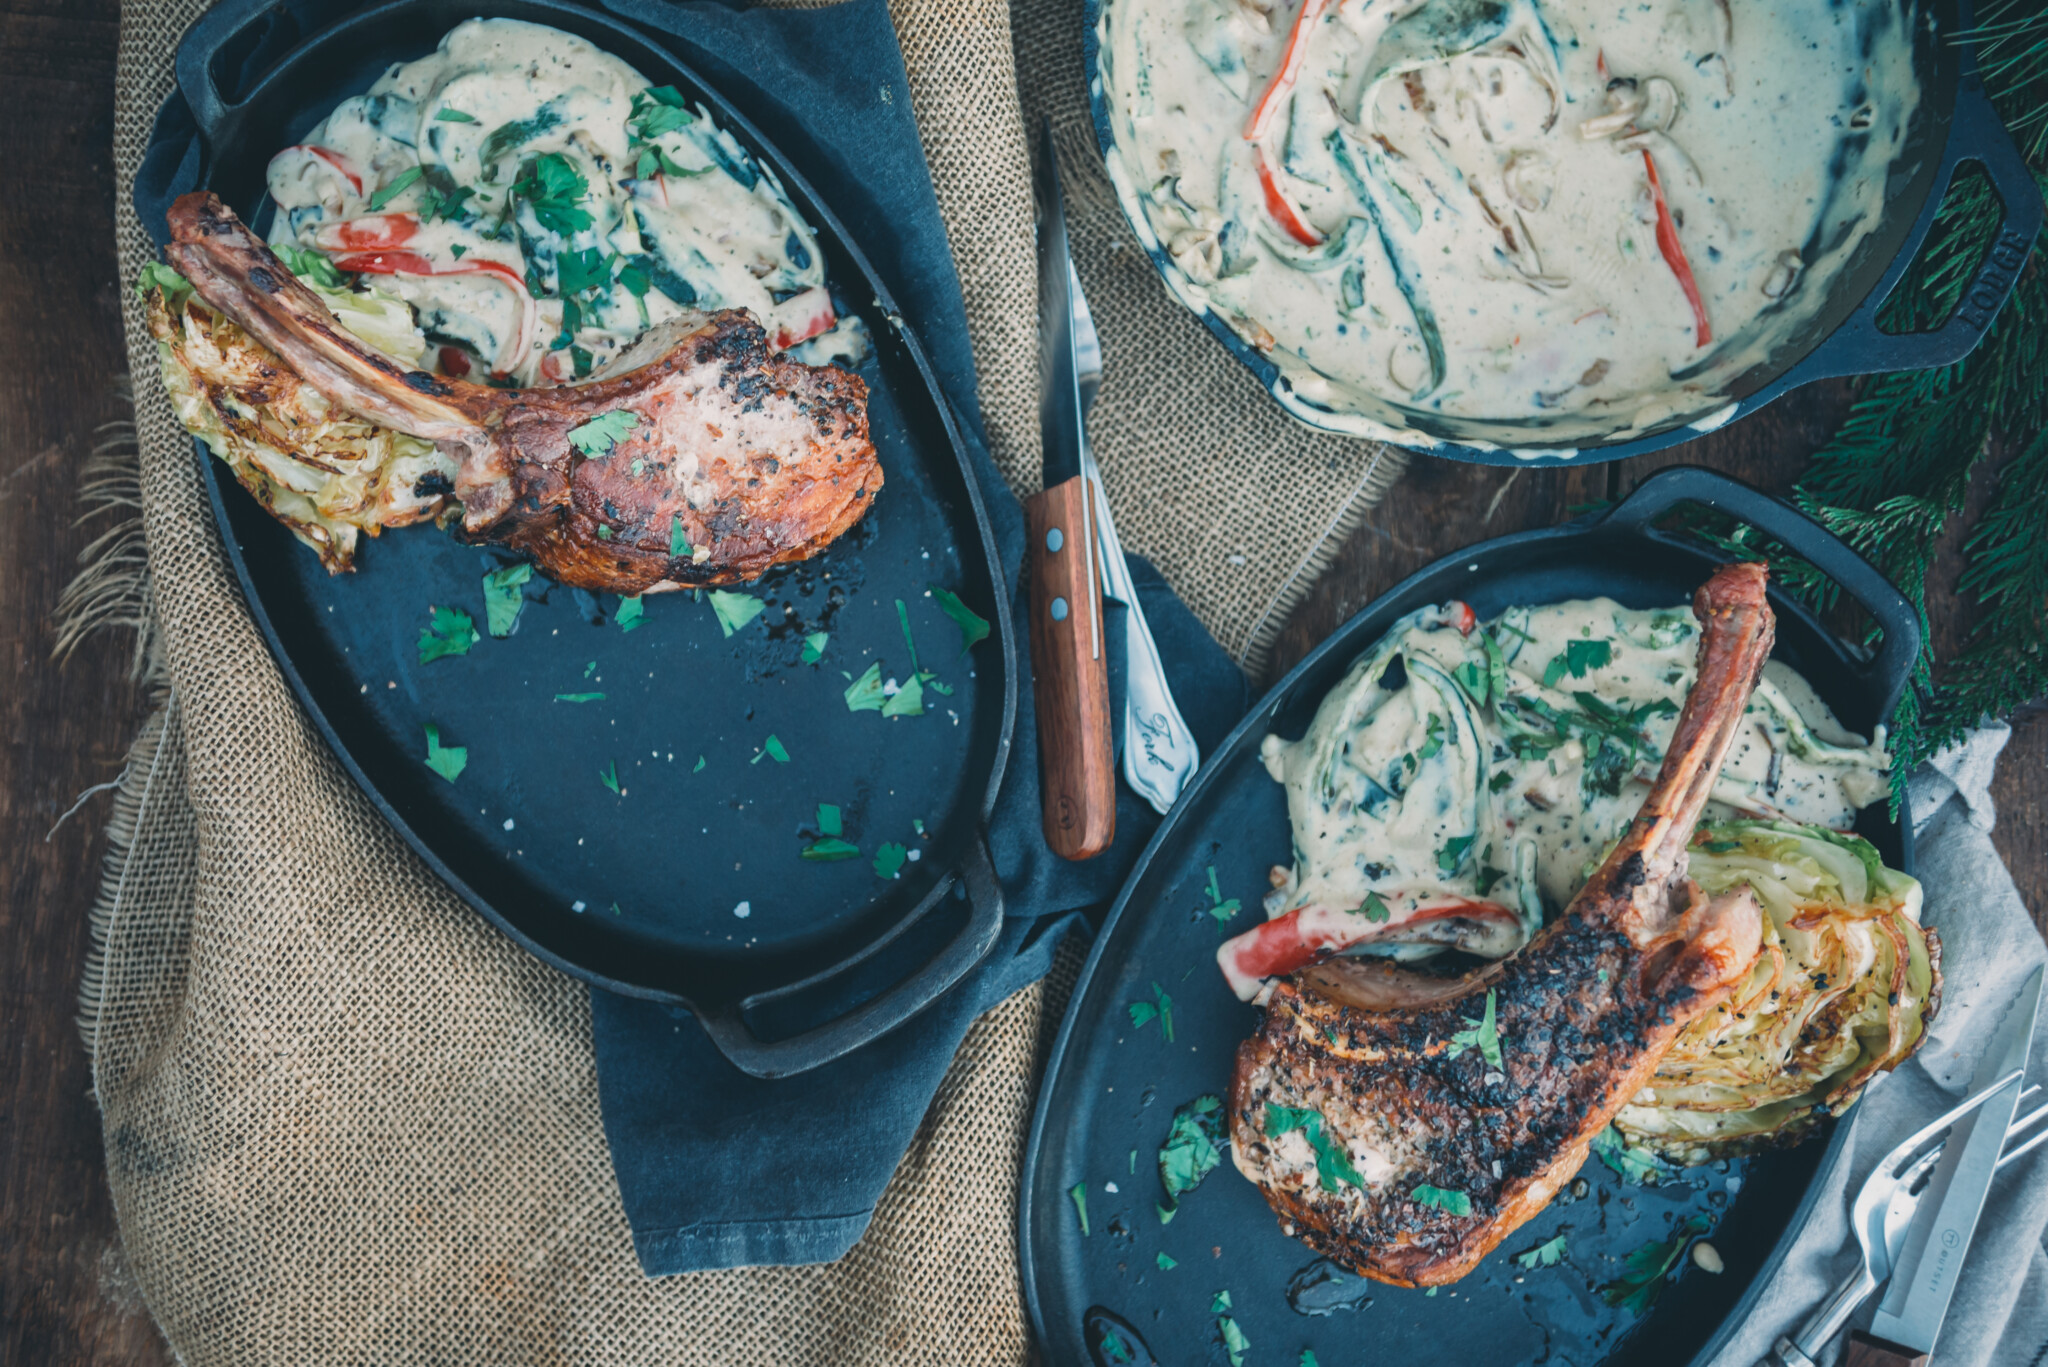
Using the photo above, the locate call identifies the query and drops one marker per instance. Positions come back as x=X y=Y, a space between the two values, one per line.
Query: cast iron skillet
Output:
x=1111 y=1089
x=687 y=885
x=1955 y=124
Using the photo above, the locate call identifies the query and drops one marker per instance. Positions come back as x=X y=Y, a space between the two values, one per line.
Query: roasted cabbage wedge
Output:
x=326 y=474
x=1844 y=988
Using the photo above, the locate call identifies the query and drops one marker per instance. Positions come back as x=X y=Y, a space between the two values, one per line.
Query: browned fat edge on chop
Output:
x=746 y=459
x=1583 y=1014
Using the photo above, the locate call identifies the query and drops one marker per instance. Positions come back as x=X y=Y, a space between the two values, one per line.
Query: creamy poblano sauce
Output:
x=1475 y=177
x=540 y=205
x=1499 y=764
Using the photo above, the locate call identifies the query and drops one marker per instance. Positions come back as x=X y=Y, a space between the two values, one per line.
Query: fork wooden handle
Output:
x=1070 y=674
x=1867 y=1351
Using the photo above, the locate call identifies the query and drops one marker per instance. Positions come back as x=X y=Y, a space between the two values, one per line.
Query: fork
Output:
x=1160 y=754
x=1883 y=1213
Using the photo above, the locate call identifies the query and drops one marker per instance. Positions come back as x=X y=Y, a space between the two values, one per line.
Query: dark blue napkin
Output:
x=716 y=1168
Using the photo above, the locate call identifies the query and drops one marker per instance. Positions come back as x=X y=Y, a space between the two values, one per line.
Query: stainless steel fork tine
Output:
x=1909 y=1147
x=2025 y=1122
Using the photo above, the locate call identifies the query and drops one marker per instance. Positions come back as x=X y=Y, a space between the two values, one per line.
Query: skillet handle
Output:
x=1859 y=346
x=1894 y=613
x=757 y=1057
x=247 y=33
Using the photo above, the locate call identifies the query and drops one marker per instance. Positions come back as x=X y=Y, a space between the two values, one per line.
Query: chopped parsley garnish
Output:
x=1308 y=1358
x=735 y=610
x=446 y=115
x=814 y=646
x=830 y=821
x=581 y=272
x=1432 y=737
x=609 y=776
x=1647 y=1269
x=579 y=697
x=1192 y=1150
x=771 y=748
x=865 y=693
x=1635 y=1165
x=507 y=136
x=630 y=613
x=907 y=700
x=1576 y=659
x=399 y=185
x=973 y=626
x=604 y=532
x=1220 y=910
x=1114 y=1348
x=1160 y=1009
x=889 y=860
x=157 y=276
x=909 y=643
x=312 y=265
x=1449 y=1202
x=554 y=189
x=654 y=160
x=596 y=438
x=440 y=196
x=829 y=850
x=1333 y=1165
x=1375 y=908
x=699 y=766
x=1165 y=1263
x=1452 y=855
x=1549 y=1253
x=658 y=110
x=452 y=632
x=1482 y=1034
x=446 y=760
x=678 y=539
x=1234 y=1341
x=1501 y=781
x=502 y=598
x=1079 y=1191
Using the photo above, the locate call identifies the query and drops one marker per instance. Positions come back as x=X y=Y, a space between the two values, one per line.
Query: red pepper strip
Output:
x=454 y=361
x=1282 y=208
x=369 y=233
x=412 y=263
x=332 y=158
x=1462 y=617
x=1279 y=946
x=1674 y=257
x=1282 y=84
x=800 y=318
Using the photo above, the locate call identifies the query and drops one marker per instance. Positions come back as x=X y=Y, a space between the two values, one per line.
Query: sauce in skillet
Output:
x=540 y=205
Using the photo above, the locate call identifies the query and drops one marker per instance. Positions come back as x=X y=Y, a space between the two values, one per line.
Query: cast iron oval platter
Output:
x=1111 y=1088
x=686 y=883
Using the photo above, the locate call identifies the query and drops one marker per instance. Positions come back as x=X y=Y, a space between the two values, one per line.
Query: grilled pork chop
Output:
x=722 y=460
x=1367 y=1107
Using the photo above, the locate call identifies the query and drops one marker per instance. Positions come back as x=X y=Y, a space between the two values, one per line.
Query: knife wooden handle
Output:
x=1070 y=674
x=1867 y=1351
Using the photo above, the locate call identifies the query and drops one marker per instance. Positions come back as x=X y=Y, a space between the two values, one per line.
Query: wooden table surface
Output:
x=65 y=1295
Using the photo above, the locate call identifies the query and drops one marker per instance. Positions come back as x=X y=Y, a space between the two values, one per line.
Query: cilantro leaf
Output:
x=771 y=748
x=1635 y=1165
x=829 y=820
x=1449 y=1202
x=596 y=438
x=1308 y=1358
x=452 y=632
x=398 y=186
x=507 y=136
x=678 y=539
x=973 y=626
x=446 y=115
x=1549 y=1253
x=1219 y=909
x=579 y=697
x=889 y=860
x=865 y=693
x=1483 y=1035
x=554 y=189
x=580 y=272
x=1192 y=1149
x=907 y=700
x=1160 y=1009
x=446 y=760
x=1375 y=908
x=503 y=600
x=1577 y=658
x=1501 y=781
x=1142 y=1014
x=609 y=776
x=1165 y=1263
x=312 y=265
x=1234 y=1341
x=1432 y=737
x=1114 y=1348
x=157 y=276
x=1648 y=1269
x=630 y=613
x=1452 y=855
x=814 y=646
x=829 y=850
x=1333 y=1165
x=903 y=619
x=735 y=610
x=1079 y=1191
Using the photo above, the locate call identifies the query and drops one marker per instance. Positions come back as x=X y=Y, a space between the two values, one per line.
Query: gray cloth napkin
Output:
x=1989 y=945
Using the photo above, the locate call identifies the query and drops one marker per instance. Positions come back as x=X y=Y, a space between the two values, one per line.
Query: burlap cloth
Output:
x=346 y=1120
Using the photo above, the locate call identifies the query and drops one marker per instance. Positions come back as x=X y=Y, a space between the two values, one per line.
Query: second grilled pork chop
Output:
x=725 y=460
x=1356 y=1072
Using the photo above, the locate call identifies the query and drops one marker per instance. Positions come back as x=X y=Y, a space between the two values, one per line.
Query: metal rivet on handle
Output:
x=1059 y=609
x=1054 y=539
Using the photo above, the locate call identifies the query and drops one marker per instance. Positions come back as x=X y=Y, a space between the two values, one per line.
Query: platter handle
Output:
x=1895 y=614
x=247 y=35
x=761 y=1058
x=1859 y=346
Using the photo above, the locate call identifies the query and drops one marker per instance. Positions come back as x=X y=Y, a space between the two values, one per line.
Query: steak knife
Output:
x=1069 y=656
x=1908 y=1321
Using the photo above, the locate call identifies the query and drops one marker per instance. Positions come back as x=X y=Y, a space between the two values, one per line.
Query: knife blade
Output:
x=1070 y=669
x=1908 y=1321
